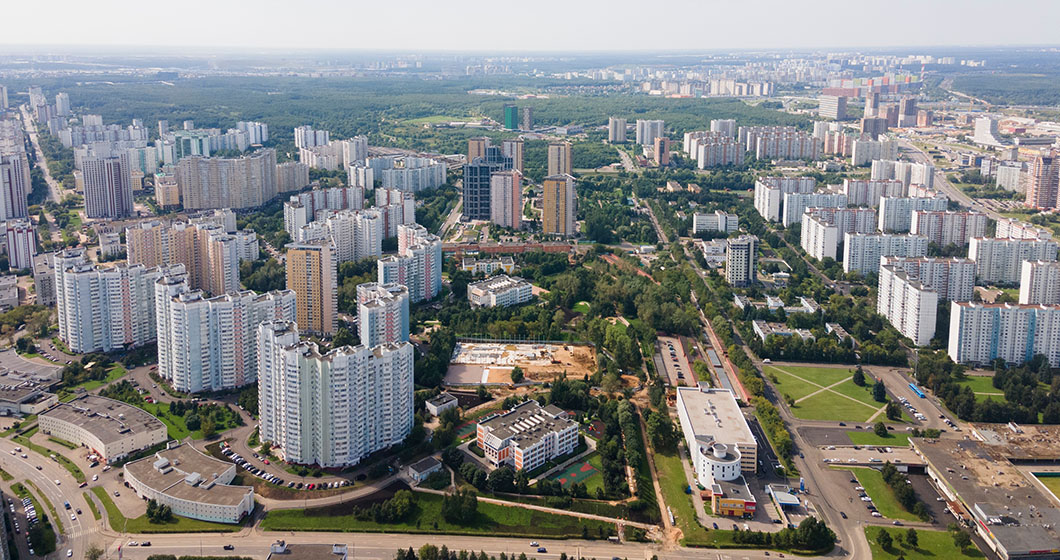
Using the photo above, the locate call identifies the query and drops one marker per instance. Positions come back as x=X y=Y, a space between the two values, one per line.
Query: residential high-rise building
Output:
x=726 y=127
x=796 y=203
x=108 y=189
x=616 y=130
x=3 y=97
x=355 y=234
x=862 y=251
x=303 y=208
x=1043 y=182
x=21 y=237
x=661 y=152
x=291 y=176
x=382 y=313
x=909 y=305
x=334 y=409
x=872 y=103
x=908 y=172
x=770 y=191
x=528 y=119
x=257 y=132
x=210 y=344
x=417 y=265
x=896 y=213
x=832 y=107
x=981 y=333
x=907 y=112
x=102 y=309
x=44 y=279
x=712 y=149
x=741 y=260
x=1011 y=227
x=163 y=128
x=986 y=132
x=506 y=199
x=514 y=149
x=648 y=131
x=15 y=186
x=210 y=254
x=312 y=270
x=558 y=206
x=947 y=227
x=823 y=228
x=559 y=158
x=925 y=118
x=244 y=182
x=477 y=175
x=953 y=278
x=781 y=142
x=1000 y=261
x=1040 y=282
x=511 y=117
x=862 y=192
x=306 y=137
x=476 y=148
x=866 y=151
x=873 y=127
x=62 y=104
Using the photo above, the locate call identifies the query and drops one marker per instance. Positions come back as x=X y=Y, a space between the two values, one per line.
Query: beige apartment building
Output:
x=312 y=271
x=557 y=217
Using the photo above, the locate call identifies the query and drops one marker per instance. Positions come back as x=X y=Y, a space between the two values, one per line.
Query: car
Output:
x=859 y=488
x=145 y=543
x=24 y=456
x=78 y=511
x=533 y=543
x=95 y=477
x=116 y=493
x=57 y=482
x=73 y=517
x=229 y=547
x=541 y=550
x=133 y=543
x=843 y=515
x=82 y=485
x=898 y=523
x=715 y=525
x=842 y=423
x=876 y=514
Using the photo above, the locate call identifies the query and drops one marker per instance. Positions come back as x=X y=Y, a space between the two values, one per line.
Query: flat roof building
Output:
x=712 y=416
x=527 y=436
x=111 y=428
x=499 y=291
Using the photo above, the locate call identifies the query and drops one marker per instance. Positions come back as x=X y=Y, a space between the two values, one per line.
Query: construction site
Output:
x=484 y=362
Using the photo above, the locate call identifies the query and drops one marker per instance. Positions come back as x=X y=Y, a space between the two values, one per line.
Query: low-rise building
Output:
x=110 y=428
x=440 y=403
x=501 y=290
x=717 y=221
x=488 y=266
x=191 y=484
x=420 y=470
x=8 y=292
x=527 y=436
x=765 y=329
x=24 y=399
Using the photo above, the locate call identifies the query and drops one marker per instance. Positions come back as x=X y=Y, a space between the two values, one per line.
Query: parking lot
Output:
x=671 y=358
x=11 y=362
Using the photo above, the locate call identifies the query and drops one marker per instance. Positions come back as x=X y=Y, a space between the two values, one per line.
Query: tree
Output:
x=193 y=421
x=883 y=538
x=483 y=392
x=879 y=392
x=912 y=538
x=961 y=540
x=517 y=374
x=460 y=507
x=209 y=427
x=94 y=552
x=894 y=411
x=343 y=337
x=859 y=377
x=880 y=429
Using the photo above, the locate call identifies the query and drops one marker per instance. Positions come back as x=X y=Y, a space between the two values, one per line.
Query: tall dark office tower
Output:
x=477 y=182
x=511 y=117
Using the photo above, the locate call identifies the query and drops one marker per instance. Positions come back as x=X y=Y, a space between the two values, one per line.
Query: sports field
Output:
x=824 y=393
x=583 y=472
x=1050 y=482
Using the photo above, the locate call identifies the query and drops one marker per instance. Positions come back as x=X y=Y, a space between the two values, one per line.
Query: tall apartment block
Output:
x=303 y=208
x=724 y=126
x=896 y=213
x=647 y=132
x=908 y=172
x=15 y=185
x=558 y=205
x=417 y=265
x=477 y=176
x=560 y=158
x=210 y=344
x=616 y=130
x=1040 y=282
x=712 y=149
x=511 y=117
x=770 y=191
x=103 y=309
x=796 y=203
x=741 y=260
x=1011 y=227
x=862 y=192
x=953 y=278
x=1042 y=182
x=981 y=333
x=382 y=313
x=244 y=182
x=1000 y=261
x=21 y=243
x=307 y=137
x=661 y=151
x=108 y=190
x=506 y=199
x=336 y=408
x=823 y=228
x=908 y=304
x=832 y=107
x=865 y=152
x=312 y=270
x=862 y=251
x=210 y=255
x=514 y=149
x=528 y=119
x=946 y=228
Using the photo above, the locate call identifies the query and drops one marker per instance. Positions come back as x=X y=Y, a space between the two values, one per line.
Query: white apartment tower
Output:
x=15 y=186
x=1040 y=282
x=1000 y=261
x=648 y=131
x=741 y=260
x=506 y=199
x=862 y=251
x=616 y=130
x=770 y=191
x=909 y=305
x=417 y=265
x=382 y=313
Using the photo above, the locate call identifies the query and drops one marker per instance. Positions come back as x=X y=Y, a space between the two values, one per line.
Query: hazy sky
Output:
x=532 y=24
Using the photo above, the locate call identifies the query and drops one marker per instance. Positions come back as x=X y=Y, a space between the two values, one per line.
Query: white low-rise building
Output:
x=527 y=436
x=191 y=484
x=711 y=417
x=499 y=291
x=110 y=428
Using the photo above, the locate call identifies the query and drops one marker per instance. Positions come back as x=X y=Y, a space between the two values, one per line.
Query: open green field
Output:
x=581 y=307
x=881 y=494
x=868 y=437
x=1050 y=482
x=118 y=522
x=5 y=476
x=672 y=480
x=931 y=545
x=832 y=405
x=820 y=393
x=426 y=517
x=820 y=375
x=983 y=388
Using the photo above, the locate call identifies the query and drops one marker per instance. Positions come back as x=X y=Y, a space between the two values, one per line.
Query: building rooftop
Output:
x=183 y=472
x=425 y=465
x=498 y=283
x=736 y=489
x=714 y=414
x=107 y=419
x=441 y=399
x=527 y=423
x=23 y=392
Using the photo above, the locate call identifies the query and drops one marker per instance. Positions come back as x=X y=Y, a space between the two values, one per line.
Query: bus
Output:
x=916 y=390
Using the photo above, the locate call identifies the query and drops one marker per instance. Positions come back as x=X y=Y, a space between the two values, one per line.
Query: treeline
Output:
x=812 y=535
x=773 y=424
x=903 y=491
x=432 y=552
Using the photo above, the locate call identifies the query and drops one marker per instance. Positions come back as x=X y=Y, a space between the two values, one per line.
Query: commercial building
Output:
x=616 y=130
x=210 y=344
x=1040 y=282
x=832 y=107
x=417 y=265
x=488 y=266
x=499 y=291
x=648 y=131
x=712 y=416
x=896 y=213
x=20 y=243
x=191 y=484
x=796 y=203
x=741 y=260
x=718 y=221
x=511 y=117
x=108 y=190
x=332 y=409
x=867 y=192
x=983 y=332
x=770 y=191
x=560 y=158
x=862 y=251
x=1000 y=261
x=1042 y=182
x=764 y=330
x=102 y=309
x=382 y=313
x=24 y=397
x=8 y=292
x=526 y=436
x=312 y=273
x=15 y=185
x=953 y=278
x=948 y=228
x=245 y=182
x=558 y=206
x=210 y=254
x=909 y=305
x=110 y=428
x=985 y=131
x=506 y=199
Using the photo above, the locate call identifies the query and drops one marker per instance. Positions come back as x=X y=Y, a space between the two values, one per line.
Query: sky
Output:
x=532 y=25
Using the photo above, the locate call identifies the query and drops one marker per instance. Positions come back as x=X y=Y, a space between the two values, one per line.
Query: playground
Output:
x=586 y=471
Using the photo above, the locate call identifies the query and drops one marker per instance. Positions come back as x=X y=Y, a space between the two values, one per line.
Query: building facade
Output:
x=312 y=274
x=558 y=206
x=862 y=251
x=909 y=305
x=741 y=260
x=382 y=313
x=1000 y=261
x=417 y=265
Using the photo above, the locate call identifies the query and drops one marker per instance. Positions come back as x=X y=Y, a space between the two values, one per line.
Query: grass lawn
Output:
x=1050 y=482
x=672 y=480
x=113 y=374
x=48 y=503
x=819 y=375
x=868 y=437
x=426 y=517
x=6 y=476
x=63 y=442
x=119 y=522
x=597 y=480
x=69 y=465
x=92 y=507
x=881 y=494
x=931 y=545
x=832 y=406
x=983 y=387
x=581 y=307
x=862 y=394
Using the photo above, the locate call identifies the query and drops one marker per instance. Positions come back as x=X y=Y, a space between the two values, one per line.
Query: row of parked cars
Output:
x=246 y=465
x=677 y=363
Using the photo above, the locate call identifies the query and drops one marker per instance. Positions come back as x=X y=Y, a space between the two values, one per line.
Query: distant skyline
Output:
x=535 y=25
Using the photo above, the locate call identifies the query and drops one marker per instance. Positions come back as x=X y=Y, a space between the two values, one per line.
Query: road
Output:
x=627 y=161
x=54 y=190
x=654 y=222
x=453 y=216
x=942 y=183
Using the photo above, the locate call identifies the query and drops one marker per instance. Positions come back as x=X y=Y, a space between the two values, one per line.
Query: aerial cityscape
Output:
x=433 y=299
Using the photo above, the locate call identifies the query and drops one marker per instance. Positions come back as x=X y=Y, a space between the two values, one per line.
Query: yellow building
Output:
x=557 y=217
x=312 y=275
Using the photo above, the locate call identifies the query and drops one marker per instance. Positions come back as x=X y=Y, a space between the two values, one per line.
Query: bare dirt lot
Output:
x=489 y=362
